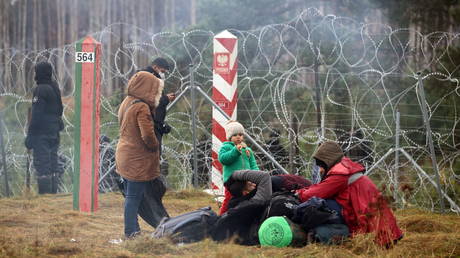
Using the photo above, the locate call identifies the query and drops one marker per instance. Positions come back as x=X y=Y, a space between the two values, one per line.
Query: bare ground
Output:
x=46 y=226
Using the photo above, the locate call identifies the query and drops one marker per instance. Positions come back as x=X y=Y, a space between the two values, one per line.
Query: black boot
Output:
x=55 y=183
x=44 y=184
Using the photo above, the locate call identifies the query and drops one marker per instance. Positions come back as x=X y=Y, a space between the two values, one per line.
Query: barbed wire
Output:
x=363 y=74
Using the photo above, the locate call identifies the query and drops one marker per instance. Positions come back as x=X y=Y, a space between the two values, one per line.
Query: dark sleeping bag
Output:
x=187 y=228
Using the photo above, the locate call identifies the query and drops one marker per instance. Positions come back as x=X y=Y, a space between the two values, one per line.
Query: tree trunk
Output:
x=193 y=12
x=159 y=15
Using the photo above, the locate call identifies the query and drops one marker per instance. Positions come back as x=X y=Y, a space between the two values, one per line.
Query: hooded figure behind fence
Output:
x=44 y=126
x=137 y=154
x=363 y=207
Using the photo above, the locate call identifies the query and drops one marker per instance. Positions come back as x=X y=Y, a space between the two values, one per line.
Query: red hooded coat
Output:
x=363 y=207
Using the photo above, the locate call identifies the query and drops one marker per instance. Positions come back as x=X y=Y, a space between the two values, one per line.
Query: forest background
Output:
x=34 y=27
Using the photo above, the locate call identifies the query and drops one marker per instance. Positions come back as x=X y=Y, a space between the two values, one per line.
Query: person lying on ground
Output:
x=251 y=191
x=245 y=190
x=246 y=185
x=234 y=155
x=363 y=207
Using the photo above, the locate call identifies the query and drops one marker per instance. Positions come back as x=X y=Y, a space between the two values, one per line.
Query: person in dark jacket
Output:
x=158 y=68
x=44 y=127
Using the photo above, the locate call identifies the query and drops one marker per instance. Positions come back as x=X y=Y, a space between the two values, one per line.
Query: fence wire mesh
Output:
x=317 y=77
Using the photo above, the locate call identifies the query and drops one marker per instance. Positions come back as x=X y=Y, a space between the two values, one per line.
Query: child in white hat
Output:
x=234 y=155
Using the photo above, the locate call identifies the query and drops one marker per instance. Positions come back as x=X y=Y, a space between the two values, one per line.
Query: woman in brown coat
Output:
x=137 y=155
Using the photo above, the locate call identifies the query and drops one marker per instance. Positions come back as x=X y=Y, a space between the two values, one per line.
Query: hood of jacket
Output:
x=43 y=73
x=146 y=87
x=329 y=153
x=345 y=167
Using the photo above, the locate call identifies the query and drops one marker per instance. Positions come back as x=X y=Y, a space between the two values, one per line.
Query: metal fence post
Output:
x=2 y=144
x=193 y=96
x=421 y=92
x=396 y=171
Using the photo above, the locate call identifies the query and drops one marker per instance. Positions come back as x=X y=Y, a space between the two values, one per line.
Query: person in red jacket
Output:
x=363 y=207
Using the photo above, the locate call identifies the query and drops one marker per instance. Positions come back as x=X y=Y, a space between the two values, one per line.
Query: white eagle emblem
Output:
x=35 y=99
x=222 y=60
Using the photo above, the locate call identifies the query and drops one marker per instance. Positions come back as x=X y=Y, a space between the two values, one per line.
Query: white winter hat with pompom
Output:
x=232 y=128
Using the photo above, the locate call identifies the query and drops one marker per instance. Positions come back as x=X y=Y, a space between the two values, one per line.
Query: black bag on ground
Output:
x=187 y=228
x=282 y=204
x=313 y=213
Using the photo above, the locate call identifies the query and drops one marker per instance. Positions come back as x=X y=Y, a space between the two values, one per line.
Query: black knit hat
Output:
x=161 y=62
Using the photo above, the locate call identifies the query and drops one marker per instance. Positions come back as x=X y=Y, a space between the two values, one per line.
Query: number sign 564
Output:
x=84 y=57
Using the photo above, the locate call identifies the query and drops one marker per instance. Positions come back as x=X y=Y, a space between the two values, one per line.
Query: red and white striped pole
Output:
x=86 y=134
x=224 y=93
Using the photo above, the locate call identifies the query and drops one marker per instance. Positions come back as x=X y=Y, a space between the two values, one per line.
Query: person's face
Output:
x=237 y=138
x=322 y=171
x=159 y=69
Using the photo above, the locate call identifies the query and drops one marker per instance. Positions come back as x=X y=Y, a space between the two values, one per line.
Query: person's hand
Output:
x=296 y=193
x=248 y=153
x=171 y=96
x=241 y=146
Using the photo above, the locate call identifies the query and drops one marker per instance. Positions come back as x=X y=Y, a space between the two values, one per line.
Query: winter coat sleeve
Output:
x=160 y=111
x=39 y=102
x=261 y=179
x=252 y=162
x=327 y=188
x=228 y=154
x=145 y=123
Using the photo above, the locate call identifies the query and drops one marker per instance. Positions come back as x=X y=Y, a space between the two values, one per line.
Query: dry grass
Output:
x=46 y=226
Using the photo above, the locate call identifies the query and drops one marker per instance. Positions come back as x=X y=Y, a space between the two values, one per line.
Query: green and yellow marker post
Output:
x=86 y=135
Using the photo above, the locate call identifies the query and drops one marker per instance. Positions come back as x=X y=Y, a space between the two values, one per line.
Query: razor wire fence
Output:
x=317 y=77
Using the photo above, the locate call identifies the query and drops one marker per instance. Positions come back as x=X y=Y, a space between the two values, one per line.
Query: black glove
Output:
x=166 y=128
x=28 y=142
x=162 y=128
